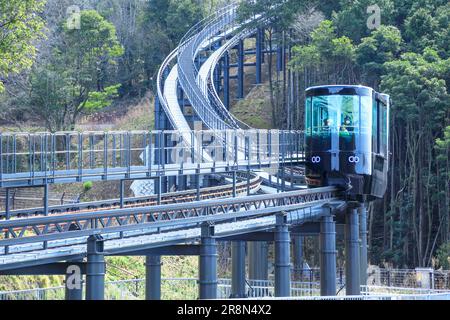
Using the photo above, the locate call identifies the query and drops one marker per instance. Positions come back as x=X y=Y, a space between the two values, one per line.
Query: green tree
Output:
x=327 y=59
x=351 y=19
x=20 y=25
x=373 y=52
x=418 y=29
x=420 y=111
x=75 y=78
x=180 y=16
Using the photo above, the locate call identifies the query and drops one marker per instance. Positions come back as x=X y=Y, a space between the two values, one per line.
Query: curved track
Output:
x=144 y=222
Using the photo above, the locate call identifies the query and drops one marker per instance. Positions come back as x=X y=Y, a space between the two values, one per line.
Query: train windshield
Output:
x=339 y=122
x=326 y=114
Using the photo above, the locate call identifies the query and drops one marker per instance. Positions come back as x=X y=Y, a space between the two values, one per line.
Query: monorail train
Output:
x=347 y=135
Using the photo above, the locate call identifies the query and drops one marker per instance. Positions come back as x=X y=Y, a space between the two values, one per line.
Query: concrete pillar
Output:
x=153 y=277
x=327 y=255
x=282 y=257
x=238 y=269
x=74 y=283
x=208 y=264
x=352 y=261
x=95 y=273
x=258 y=261
x=363 y=237
x=298 y=255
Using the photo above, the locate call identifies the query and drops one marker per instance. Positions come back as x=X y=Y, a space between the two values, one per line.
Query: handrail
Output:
x=193 y=39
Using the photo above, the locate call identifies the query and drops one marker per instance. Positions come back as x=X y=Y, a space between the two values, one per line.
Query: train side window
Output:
x=365 y=116
x=384 y=130
x=375 y=132
x=308 y=117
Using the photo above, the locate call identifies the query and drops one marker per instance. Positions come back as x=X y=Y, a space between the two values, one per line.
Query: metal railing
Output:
x=216 y=119
x=38 y=158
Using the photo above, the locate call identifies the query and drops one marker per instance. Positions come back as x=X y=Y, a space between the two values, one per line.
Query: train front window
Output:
x=338 y=113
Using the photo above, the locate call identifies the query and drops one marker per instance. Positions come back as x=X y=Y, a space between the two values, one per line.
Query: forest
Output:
x=54 y=70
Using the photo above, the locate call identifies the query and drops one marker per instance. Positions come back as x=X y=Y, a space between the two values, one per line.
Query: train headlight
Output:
x=316 y=159
x=353 y=159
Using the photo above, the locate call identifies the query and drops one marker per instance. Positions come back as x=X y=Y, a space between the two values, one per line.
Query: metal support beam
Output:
x=240 y=92
x=308 y=228
x=250 y=236
x=238 y=269
x=74 y=283
x=170 y=250
x=282 y=257
x=95 y=273
x=208 y=263
x=153 y=278
x=352 y=269
x=363 y=236
x=258 y=268
x=51 y=269
x=327 y=255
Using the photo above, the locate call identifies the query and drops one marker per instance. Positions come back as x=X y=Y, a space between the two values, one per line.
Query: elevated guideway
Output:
x=44 y=236
x=39 y=240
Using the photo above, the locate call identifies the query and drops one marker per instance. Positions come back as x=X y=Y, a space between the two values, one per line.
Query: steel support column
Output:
x=241 y=55
x=363 y=237
x=259 y=53
x=238 y=269
x=298 y=255
x=153 y=277
x=208 y=263
x=74 y=283
x=45 y=199
x=352 y=262
x=258 y=268
x=7 y=204
x=95 y=270
x=327 y=255
x=7 y=214
x=280 y=58
x=282 y=257
x=122 y=193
